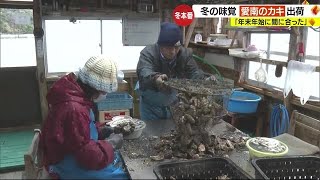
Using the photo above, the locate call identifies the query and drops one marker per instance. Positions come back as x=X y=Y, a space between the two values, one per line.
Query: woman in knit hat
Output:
x=73 y=145
x=158 y=62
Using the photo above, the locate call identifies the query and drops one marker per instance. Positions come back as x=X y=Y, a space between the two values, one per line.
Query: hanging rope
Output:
x=279 y=122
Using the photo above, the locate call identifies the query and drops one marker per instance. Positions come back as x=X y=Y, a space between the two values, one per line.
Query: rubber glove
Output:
x=116 y=140
x=160 y=81
x=106 y=131
x=211 y=78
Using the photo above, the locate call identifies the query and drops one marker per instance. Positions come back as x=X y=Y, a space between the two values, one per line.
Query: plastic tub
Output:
x=259 y=154
x=241 y=102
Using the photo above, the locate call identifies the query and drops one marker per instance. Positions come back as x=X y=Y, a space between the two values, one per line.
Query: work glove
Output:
x=106 y=131
x=211 y=78
x=117 y=130
x=116 y=140
x=160 y=82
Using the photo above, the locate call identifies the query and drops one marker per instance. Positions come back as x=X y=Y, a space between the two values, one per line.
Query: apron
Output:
x=69 y=169
x=155 y=105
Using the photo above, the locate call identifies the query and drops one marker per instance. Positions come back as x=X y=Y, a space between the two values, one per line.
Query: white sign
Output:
x=210 y=11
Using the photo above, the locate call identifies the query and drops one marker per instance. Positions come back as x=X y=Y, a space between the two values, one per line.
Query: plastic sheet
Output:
x=299 y=76
x=261 y=74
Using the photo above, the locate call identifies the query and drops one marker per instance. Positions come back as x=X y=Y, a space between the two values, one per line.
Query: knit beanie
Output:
x=100 y=73
x=170 y=35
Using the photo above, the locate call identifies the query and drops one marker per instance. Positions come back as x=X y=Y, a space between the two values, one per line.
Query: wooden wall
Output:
x=19 y=97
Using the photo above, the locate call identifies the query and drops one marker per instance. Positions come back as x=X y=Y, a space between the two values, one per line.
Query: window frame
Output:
x=25 y=5
x=254 y=82
x=266 y=85
x=45 y=40
x=99 y=18
x=44 y=18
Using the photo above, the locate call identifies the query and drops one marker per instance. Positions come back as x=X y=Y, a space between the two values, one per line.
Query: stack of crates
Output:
x=115 y=104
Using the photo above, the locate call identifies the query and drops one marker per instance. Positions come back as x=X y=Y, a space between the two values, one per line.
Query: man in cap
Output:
x=165 y=59
x=73 y=146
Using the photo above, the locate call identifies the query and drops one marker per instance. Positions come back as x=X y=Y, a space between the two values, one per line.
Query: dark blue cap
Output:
x=170 y=35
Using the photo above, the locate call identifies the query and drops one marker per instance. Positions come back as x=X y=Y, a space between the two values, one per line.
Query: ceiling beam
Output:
x=16 y=4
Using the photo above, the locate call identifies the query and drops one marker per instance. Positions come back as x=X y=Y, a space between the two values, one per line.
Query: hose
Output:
x=213 y=68
x=279 y=122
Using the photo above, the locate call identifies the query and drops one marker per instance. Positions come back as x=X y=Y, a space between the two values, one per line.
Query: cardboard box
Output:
x=105 y=116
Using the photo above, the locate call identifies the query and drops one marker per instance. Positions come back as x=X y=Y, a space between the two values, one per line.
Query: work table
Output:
x=142 y=167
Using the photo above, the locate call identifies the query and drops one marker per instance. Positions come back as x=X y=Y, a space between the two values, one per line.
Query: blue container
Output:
x=241 y=102
x=116 y=101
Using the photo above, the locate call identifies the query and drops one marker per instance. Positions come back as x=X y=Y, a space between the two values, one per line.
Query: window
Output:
x=277 y=47
x=127 y=56
x=312 y=46
x=315 y=92
x=17 y=44
x=260 y=41
x=69 y=45
x=312 y=57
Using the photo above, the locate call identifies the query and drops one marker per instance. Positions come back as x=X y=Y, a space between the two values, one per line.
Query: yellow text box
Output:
x=274 y=21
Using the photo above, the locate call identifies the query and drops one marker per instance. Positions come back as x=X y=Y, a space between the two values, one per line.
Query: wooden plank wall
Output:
x=19 y=97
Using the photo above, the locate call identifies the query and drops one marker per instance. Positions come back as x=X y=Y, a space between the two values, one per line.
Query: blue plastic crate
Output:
x=115 y=101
